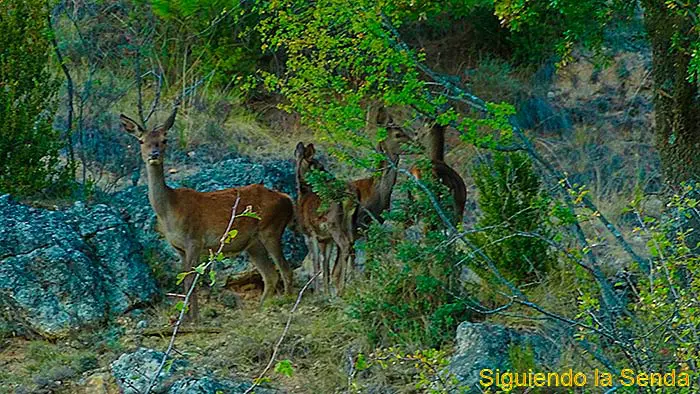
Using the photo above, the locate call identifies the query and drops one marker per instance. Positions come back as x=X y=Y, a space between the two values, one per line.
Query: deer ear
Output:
x=299 y=150
x=168 y=122
x=309 y=151
x=382 y=116
x=130 y=126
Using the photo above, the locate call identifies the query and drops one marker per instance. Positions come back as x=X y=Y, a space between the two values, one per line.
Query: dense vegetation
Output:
x=608 y=276
x=29 y=147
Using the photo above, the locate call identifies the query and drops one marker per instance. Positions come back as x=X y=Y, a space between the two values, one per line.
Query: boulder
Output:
x=490 y=346
x=64 y=269
x=133 y=372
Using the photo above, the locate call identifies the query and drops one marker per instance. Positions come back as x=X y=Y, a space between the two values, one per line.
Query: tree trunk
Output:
x=676 y=102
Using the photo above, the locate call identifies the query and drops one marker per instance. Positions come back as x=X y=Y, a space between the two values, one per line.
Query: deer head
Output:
x=152 y=142
x=396 y=135
x=392 y=144
x=305 y=160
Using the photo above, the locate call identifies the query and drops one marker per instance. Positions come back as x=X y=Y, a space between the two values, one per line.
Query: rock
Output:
x=61 y=270
x=134 y=370
x=488 y=346
x=207 y=385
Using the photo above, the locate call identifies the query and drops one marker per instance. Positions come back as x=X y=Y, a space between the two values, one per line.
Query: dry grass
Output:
x=318 y=343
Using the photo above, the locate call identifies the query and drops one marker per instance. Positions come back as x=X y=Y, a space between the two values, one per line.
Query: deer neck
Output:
x=436 y=143
x=387 y=180
x=303 y=188
x=159 y=194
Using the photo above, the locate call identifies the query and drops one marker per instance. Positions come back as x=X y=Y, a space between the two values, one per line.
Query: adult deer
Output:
x=375 y=193
x=443 y=172
x=194 y=222
x=323 y=227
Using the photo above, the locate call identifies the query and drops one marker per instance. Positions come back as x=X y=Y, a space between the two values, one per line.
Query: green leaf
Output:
x=180 y=305
x=200 y=268
x=181 y=277
x=361 y=362
x=168 y=365
x=249 y=214
x=284 y=367
x=212 y=277
x=230 y=236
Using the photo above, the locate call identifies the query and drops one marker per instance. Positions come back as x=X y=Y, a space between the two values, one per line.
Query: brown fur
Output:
x=443 y=172
x=193 y=222
x=323 y=228
x=375 y=193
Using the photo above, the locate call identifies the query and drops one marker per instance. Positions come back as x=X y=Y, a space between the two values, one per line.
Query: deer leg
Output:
x=273 y=245
x=261 y=260
x=190 y=257
x=341 y=261
x=313 y=246
x=324 y=253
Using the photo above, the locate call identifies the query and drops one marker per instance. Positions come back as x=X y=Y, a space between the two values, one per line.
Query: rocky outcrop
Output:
x=492 y=346
x=61 y=270
x=133 y=372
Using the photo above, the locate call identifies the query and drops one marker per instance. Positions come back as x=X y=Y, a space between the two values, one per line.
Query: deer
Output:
x=194 y=222
x=375 y=193
x=443 y=172
x=342 y=222
x=323 y=228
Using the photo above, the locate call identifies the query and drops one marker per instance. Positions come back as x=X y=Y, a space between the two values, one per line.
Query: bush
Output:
x=411 y=294
x=513 y=216
x=29 y=146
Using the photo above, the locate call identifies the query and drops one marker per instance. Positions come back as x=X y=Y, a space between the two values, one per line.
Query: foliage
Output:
x=668 y=299
x=410 y=293
x=285 y=368
x=29 y=146
x=522 y=358
x=342 y=58
x=327 y=187
x=513 y=218
x=220 y=37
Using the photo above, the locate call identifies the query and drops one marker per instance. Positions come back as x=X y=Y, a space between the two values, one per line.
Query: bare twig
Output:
x=156 y=100
x=69 y=85
x=276 y=349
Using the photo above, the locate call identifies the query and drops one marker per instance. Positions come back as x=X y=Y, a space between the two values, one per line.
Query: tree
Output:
x=673 y=31
x=29 y=146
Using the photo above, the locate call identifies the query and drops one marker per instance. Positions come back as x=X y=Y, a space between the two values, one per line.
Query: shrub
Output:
x=513 y=216
x=29 y=146
x=411 y=294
